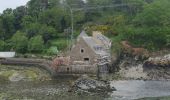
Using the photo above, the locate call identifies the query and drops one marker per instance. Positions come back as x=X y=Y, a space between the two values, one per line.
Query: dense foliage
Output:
x=45 y=25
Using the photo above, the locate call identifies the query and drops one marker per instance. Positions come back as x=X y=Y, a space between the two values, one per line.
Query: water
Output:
x=127 y=90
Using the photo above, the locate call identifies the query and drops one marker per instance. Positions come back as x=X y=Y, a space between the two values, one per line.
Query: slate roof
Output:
x=103 y=39
x=93 y=44
x=82 y=34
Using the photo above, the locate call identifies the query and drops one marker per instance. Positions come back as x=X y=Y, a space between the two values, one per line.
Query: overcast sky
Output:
x=11 y=4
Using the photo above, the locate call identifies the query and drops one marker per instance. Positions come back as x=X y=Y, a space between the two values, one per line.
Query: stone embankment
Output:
x=42 y=63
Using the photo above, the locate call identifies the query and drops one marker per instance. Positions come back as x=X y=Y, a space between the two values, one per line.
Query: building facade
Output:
x=92 y=50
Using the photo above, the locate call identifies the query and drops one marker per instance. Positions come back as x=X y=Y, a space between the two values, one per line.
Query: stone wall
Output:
x=77 y=56
x=77 y=69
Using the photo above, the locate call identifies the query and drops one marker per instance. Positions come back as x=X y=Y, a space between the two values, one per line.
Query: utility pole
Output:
x=72 y=25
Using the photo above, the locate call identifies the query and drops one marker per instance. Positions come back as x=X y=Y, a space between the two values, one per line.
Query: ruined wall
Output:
x=77 y=57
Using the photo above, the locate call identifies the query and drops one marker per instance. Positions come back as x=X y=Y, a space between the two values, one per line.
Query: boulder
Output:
x=89 y=85
x=158 y=68
x=158 y=62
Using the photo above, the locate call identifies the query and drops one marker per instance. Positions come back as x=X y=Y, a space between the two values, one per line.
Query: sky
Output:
x=11 y=4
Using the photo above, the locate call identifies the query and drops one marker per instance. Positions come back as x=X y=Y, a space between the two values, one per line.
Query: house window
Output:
x=86 y=59
x=82 y=50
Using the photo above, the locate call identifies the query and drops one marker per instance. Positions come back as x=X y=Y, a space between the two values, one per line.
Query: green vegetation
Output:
x=36 y=44
x=44 y=26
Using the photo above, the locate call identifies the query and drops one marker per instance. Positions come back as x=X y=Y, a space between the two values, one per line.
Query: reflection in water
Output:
x=139 y=89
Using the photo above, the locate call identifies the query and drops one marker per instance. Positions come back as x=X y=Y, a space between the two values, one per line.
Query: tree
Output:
x=36 y=44
x=26 y=21
x=8 y=23
x=1 y=30
x=151 y=26
x=32 y=29
x=55 y=17
x=19 y=13
x=2 y=45
x=154 y=14
x=19 y=42
x=36 y=6
x=47 y=32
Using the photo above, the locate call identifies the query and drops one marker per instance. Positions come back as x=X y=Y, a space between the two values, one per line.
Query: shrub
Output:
x=53 y=50
x=19 y=42
x=36 y=44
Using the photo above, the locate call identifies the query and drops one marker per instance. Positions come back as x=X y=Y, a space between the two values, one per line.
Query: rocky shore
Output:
x=158 y=68
x=153 y=68
x=88 y=85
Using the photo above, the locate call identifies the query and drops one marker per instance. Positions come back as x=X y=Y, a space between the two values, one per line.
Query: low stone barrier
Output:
x=42 y=63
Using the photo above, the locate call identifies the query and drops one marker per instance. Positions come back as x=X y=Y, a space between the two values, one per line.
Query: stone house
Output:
x=92 y=51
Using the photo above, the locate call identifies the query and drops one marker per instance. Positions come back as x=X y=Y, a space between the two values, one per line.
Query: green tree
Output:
x=1 y=30
x=37 y=6
x=19 y=13
x=26 y=21
x=36 y=44
x=47 y=32
x=2 y=45
x=32 y=29
x=19 y=42
x=55 y=17
x=8 y=23
x=151 y=26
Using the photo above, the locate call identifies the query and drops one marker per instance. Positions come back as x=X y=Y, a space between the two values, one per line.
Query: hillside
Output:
x=44 y=26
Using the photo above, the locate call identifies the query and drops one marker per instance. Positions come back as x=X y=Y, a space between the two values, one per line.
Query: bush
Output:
x=52 y=50
x=36 y=44
x=19 y=42
x=61 y=44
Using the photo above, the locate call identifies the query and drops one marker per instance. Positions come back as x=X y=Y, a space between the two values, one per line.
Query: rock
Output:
x=16 y=77
x=158 y=68
x=158 y=62
x=88 y=85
